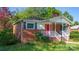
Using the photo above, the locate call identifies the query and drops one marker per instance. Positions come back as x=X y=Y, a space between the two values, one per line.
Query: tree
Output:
x=76 y=23
x=39 y=12
x=31 y=12
x=5 y=16
x=56 y=12
x=66 y=14
x=44 y=12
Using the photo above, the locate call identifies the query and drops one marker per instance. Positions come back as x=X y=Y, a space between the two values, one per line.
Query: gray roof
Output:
x=35 y=19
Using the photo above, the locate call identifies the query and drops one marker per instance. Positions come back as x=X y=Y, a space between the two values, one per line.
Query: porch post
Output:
x=61 y=31
x=21 y=31
x=62 y=26
x=55 y=28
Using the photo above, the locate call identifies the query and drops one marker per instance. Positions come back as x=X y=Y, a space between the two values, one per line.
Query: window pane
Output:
x=30 y=25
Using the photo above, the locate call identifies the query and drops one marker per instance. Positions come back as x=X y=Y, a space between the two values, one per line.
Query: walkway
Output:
x=73 y=42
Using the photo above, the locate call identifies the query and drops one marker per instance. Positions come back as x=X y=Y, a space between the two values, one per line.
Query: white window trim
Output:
x=31 y=23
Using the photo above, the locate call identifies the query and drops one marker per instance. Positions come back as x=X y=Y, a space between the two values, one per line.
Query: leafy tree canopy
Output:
x=41 y=12
x=76 y=23
x=5 y=16
x=66 y=14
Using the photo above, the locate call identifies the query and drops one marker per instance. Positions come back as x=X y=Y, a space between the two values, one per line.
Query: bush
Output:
x=74 y=36
x=7 y=38
x=41 y=37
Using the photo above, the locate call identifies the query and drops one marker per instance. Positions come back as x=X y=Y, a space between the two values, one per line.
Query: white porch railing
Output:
x=58 y=36
x=65 y=35
x=55 y=34
x=52 y=34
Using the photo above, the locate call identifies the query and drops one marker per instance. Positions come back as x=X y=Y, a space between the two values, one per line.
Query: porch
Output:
x=57 y=28
x=57 y=31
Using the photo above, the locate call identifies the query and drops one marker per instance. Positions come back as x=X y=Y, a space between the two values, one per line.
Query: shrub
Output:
x=74 y=36
x=41 y=37
x=62 y=42
x=7 y=38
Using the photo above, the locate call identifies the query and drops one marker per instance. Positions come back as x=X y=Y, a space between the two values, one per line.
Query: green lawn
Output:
x=37 y=46
x=44 y=46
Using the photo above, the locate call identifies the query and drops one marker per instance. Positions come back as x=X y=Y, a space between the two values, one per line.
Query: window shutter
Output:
x=24 y=25
x=35 y=25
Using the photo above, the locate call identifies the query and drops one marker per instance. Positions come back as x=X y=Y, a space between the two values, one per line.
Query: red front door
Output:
x=47 y=27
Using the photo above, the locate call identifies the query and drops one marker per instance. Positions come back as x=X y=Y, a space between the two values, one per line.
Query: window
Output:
x=30 y=25
x=64 y=26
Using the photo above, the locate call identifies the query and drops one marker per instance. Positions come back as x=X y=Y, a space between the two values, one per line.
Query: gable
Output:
x=60 y=19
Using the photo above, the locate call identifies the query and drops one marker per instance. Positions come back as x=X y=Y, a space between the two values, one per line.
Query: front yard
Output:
x=40 y=46
x=44 y=46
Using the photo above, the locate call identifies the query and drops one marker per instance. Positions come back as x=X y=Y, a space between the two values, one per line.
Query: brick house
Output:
x=56 y=28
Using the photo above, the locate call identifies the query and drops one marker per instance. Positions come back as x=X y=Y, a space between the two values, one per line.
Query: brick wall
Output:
x=28 y=35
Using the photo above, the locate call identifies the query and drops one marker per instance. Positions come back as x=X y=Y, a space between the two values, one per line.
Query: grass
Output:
x=37 y=46
x=44 y=46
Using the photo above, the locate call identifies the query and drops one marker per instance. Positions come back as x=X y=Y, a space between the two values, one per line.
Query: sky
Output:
x=74 y=11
